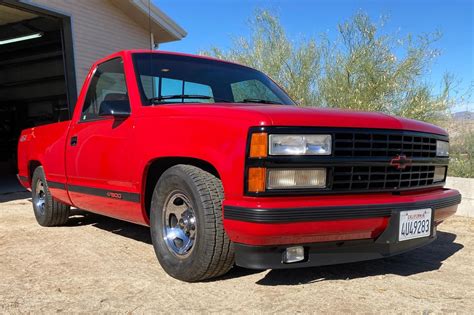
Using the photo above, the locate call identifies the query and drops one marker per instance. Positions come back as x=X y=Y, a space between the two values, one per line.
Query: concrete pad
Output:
x=466 y=188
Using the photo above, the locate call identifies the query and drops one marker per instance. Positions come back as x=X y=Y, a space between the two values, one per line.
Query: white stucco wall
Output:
x=99 y=29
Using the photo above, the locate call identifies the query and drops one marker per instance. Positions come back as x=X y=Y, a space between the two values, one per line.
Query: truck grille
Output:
x=363 y=160
x=386 y=144
x=349 y=178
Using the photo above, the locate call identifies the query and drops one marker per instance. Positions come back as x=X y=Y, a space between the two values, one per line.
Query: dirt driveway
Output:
x=97 y=264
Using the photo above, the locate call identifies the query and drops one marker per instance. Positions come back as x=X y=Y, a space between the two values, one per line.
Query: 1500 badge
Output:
x=114 y=195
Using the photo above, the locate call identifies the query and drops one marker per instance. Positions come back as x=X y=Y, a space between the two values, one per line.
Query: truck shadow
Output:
x=420 y=260
x=12 y=196
x=134 y=231
x=428 y=258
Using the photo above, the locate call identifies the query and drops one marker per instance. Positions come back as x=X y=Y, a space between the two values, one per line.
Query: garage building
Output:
x=46 y=50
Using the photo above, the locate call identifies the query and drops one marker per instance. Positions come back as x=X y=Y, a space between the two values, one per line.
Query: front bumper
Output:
x=331 y=233
x=306 y=220
x=331 y=253
x=331 y=213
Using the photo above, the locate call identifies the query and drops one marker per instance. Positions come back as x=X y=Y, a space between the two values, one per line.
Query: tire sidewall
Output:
x=38 y=176
x=177 y=180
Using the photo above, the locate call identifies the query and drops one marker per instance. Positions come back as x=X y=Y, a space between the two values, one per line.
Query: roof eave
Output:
x=160 y=17
x=159 y=21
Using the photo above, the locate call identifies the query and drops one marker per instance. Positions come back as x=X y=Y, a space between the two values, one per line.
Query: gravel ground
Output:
x=98 y=264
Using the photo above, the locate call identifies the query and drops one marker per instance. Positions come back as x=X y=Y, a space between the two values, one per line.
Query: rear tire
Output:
x=186 y=224
x=48 y=211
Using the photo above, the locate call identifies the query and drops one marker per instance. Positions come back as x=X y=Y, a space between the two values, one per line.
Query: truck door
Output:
x=99 y=151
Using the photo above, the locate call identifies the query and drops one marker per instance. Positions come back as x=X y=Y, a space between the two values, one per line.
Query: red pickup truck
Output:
x=225 y=169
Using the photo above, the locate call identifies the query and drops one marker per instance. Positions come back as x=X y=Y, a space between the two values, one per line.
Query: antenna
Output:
x=152 y=44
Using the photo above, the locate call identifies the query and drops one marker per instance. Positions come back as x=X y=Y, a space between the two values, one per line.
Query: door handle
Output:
x=73 y=141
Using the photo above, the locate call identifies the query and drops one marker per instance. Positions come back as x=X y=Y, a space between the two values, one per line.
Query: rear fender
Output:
x=45 y=146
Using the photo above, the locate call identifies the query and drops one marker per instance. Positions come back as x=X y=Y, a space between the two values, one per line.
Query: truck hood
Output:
x=292 y=115
x=282 y=115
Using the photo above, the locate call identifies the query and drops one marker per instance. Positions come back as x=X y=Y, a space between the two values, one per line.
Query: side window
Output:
x=107 y=85
x=252 y=89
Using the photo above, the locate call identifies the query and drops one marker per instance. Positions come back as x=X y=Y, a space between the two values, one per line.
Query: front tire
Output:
x=186 y=224
x=48 y=211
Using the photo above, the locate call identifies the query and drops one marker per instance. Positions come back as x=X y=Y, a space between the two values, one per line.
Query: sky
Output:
x=214 y=23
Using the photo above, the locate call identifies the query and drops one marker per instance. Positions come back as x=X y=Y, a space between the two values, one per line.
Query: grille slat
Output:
x=364 y=177
x=360 y=144
x=380 y=145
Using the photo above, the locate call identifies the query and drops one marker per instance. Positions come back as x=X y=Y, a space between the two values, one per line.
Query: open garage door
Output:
x=35 y=84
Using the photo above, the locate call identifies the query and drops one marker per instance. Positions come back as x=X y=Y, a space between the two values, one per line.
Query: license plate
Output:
x=414 y=224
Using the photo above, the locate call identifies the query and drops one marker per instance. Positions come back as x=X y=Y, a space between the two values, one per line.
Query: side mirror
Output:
x=118 y=109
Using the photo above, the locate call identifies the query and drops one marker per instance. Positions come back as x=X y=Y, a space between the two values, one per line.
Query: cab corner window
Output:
x=107 y=89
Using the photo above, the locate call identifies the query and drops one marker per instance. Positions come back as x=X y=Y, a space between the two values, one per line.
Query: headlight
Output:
x=300 y=144
x=442 y=148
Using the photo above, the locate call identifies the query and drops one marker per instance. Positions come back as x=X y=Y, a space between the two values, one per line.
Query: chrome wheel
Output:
x=39 y=199
x=179 y=224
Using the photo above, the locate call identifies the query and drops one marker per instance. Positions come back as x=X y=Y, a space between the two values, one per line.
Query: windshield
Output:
x=165 y=79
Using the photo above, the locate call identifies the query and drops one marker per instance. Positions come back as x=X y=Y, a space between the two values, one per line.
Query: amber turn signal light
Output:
x=258 y=145
x=256 y=179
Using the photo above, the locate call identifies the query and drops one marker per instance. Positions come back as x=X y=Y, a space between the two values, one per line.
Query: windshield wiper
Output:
x=258 y=100
x=159 y=99
x=162 y=99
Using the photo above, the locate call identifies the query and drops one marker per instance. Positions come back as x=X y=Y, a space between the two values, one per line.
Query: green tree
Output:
x=362 y=69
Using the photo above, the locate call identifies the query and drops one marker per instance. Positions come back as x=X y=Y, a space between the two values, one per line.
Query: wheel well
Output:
x=32 y=165
x=157 y=167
